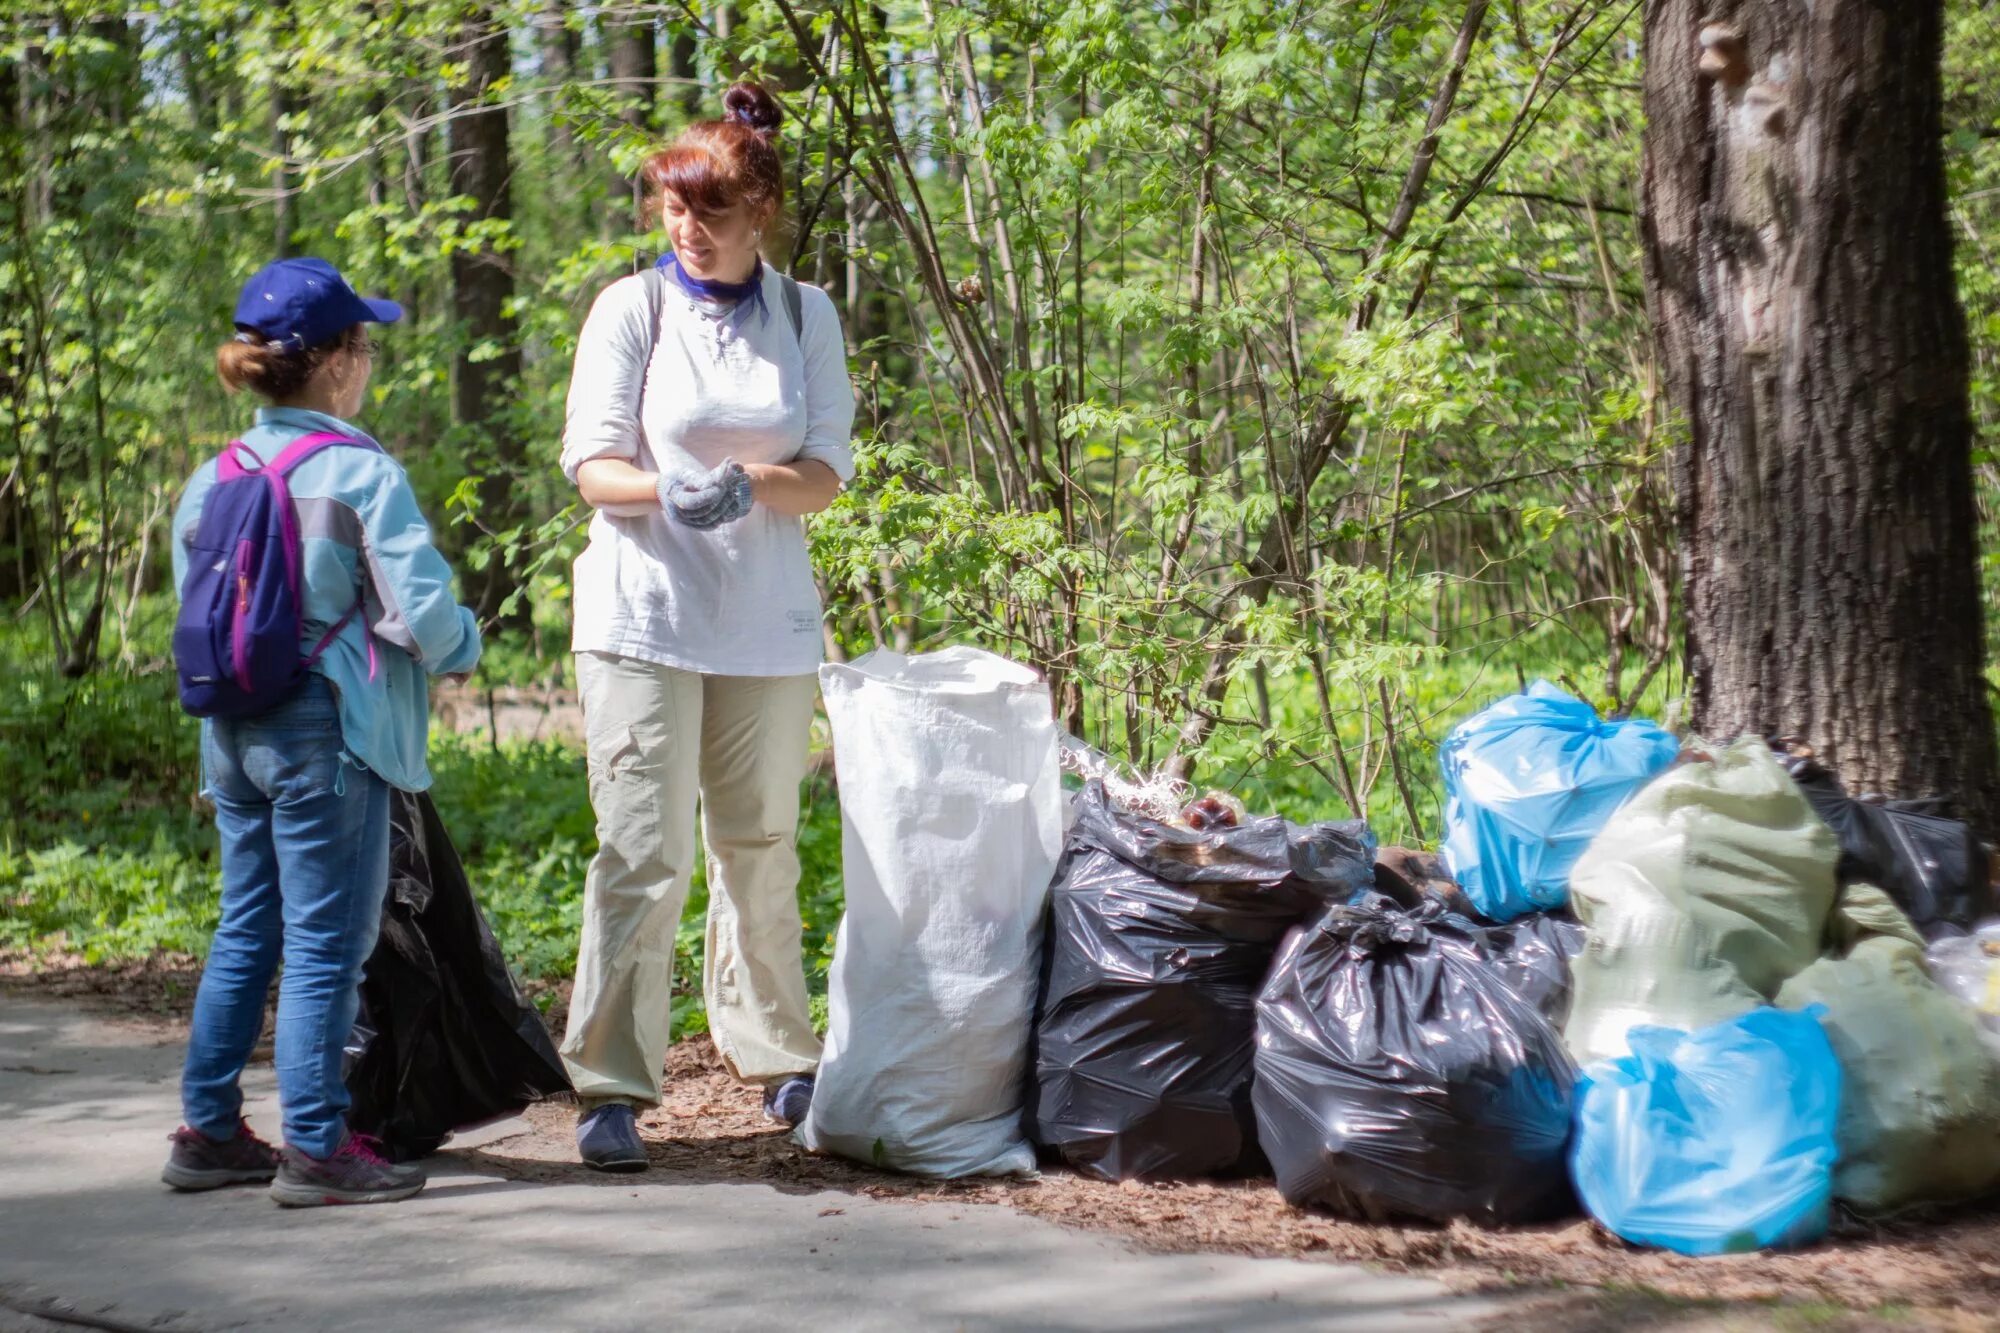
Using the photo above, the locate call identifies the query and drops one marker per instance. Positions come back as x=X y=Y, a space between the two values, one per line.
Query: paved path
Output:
x=86 y=1105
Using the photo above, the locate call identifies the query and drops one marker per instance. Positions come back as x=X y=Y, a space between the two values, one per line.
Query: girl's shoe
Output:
x=357 y=1173
x=199 y=1162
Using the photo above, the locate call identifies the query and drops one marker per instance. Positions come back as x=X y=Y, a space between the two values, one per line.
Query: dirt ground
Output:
x=1940 y=1270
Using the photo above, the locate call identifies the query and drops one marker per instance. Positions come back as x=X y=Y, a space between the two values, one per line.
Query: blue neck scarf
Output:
x=751 y=289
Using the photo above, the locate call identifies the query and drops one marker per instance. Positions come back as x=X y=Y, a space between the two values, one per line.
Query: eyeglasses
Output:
x=367 y=347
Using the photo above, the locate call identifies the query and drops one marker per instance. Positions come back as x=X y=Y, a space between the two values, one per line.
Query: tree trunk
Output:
x=284 y=103
x=15 y=156
x=558 y=44
x=1799 y=265
x=681 y=69
x=635 y=72
x=482 y=285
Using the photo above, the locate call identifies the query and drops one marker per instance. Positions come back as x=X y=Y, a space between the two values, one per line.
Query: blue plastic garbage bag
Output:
x=1528 y=783
x=1713 y=1142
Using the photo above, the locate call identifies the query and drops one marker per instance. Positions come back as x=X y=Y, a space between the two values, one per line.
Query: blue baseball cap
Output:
x=305 y=302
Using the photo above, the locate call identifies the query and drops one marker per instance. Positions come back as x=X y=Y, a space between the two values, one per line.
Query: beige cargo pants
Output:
x=658 y=739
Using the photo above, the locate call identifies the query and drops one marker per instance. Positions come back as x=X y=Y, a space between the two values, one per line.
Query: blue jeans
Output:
x=305 y=865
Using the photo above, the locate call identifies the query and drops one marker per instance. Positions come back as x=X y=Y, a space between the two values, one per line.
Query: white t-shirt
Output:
x=723 y=381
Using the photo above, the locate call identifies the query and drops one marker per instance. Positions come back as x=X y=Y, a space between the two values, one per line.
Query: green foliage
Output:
x=1220 y=408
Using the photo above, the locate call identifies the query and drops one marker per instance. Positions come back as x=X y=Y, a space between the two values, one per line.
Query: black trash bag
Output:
x=1933 y=866
x=1399 y=1077
x=445 y=1040
x=1159 y=938
x=1531 y=953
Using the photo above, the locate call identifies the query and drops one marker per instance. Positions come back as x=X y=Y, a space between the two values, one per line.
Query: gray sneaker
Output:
x=199 y=1162
x=355 y=1174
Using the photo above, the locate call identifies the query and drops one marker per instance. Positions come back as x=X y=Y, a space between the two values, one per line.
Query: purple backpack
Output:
x=236 y=640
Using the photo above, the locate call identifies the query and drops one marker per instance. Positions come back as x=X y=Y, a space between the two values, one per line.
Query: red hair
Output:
x=718 y=163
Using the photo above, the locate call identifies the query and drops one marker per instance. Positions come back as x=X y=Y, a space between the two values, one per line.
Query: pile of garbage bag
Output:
x=1723 y=888
x=444 y=1040
x=1763 y=1026
x=951 y=822
x=1400 y=1075
x=1528 y=783
x=1699 y=990
x=1160 y=936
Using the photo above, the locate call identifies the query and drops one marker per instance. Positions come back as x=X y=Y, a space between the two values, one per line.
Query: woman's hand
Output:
x=709 y=499
x=793 y=488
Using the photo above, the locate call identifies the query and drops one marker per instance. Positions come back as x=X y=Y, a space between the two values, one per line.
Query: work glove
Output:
x=705 y=500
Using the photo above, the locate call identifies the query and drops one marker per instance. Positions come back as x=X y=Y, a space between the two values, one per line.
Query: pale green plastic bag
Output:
x=1703 y=894
x=1920 y=1114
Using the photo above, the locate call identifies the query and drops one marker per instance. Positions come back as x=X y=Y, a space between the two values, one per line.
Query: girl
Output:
x=301 y=792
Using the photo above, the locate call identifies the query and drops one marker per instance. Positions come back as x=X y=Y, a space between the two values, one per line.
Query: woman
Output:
x=702 y=425
x=301 y=791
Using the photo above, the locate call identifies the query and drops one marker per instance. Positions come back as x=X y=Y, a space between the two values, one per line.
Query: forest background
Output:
x=1275 y=378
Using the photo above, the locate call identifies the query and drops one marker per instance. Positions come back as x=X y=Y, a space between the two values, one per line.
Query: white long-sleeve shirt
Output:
x=722 y=382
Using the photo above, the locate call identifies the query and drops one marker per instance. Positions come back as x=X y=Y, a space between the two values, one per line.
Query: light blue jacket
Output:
x=362 y=536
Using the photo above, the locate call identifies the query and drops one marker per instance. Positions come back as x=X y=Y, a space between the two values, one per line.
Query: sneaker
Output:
x=199 y=1162
x=788 y=1102
x=607 y=1139
x=358 y=1173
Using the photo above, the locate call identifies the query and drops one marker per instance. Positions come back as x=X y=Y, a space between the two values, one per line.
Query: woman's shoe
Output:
x=607 y=1138
x=788 y=1102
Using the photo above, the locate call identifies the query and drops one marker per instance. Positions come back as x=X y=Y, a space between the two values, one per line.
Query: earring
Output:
x=757 y=235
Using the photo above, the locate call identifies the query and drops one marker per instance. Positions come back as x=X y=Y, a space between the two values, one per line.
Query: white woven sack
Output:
x=952 y=821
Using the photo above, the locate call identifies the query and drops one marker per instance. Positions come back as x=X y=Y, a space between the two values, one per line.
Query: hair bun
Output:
x=747 y=103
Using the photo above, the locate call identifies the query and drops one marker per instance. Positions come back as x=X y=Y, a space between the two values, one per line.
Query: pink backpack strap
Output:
x=229 y=463
x=299 y=450
x=295 y=453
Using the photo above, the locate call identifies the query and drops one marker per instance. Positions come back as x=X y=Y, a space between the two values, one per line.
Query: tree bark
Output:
x=557 y=42
x=1799 y=267
x=635 y=73
x=682 y=70
x=284 y=103
x=15 y=156
x=482 y=285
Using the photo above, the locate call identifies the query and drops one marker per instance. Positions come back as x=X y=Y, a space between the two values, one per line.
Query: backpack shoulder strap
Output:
x=656 y=310
x=656 y=298
x=229 y=463
x=794 y=305
x=299 y=450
